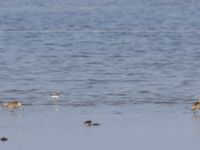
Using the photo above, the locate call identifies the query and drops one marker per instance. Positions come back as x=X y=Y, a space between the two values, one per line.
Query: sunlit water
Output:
x=120 y=57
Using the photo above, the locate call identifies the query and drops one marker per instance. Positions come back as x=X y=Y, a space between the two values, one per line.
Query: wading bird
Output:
x=196 y=107
x=12 y=104
x=56 y=95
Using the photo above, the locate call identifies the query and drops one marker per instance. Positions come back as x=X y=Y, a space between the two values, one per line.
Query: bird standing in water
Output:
x=12 y=104
x=56 y=95
x=196 y=107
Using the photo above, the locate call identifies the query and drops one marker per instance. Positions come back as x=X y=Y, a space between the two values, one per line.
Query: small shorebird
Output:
x=90 y=123
x=56 y=95
x=196 y=107
x=12 y=105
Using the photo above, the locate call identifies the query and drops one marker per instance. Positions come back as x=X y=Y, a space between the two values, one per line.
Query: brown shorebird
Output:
x=90 y=123
x=12 y=104
x=56 y=95
x=196 y=107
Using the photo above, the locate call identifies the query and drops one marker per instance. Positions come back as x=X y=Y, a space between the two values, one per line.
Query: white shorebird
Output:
x=12 y=104
x=196 y=107
x=56 y=95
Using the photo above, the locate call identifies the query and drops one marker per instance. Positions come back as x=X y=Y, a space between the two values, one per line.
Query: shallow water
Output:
x=154 y=128
x=109 y=57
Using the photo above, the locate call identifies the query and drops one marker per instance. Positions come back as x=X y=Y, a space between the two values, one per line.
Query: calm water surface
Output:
x=101 y=53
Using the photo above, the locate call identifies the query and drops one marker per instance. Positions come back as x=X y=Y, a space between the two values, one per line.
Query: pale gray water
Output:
x=107 y=56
